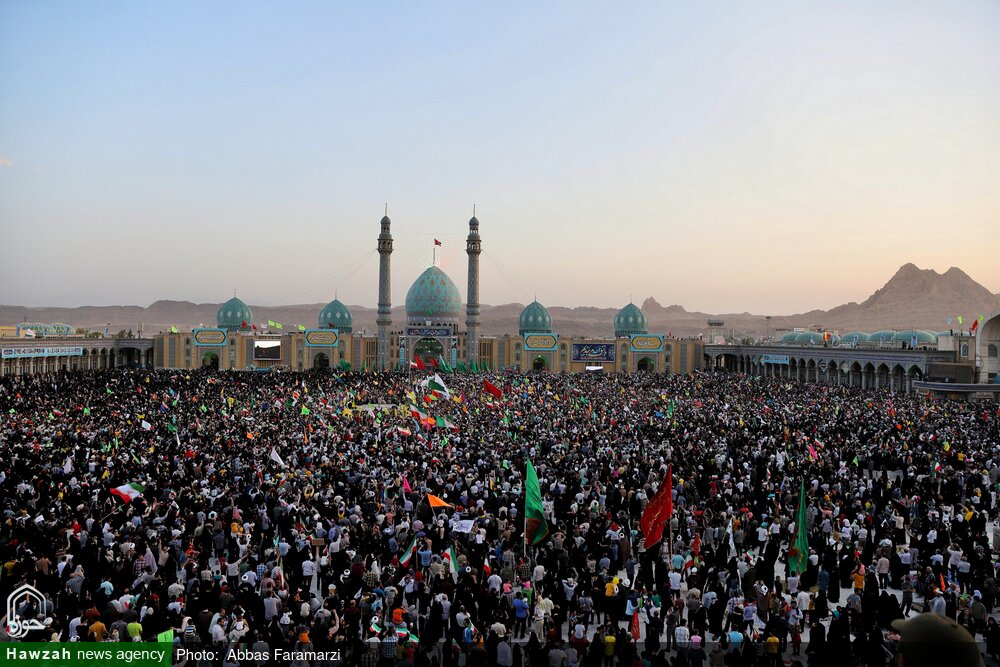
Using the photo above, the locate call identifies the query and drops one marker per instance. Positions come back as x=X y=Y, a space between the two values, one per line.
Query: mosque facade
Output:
x=440 y=331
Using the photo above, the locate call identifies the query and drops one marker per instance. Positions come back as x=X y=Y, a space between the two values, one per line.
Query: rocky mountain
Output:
x=913 y=297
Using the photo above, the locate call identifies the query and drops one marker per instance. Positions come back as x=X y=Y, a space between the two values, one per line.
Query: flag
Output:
x=166 y=637
x=437 y=385
x=30 y=333
x=473 y=366
x=86 y=411
x=732 y=540
x=277 y=458
x=491 y=389
x=434 y=501
x=128 y=492
x=419 y=363
x=959 y=319
x=436 y=242
x=146 y=426
x=345 y=365
x=670 y=410
x=279 y=325
x=658 y=511
x=173 y=329
x=798 y=553
x=406 y=486
x=254 y=327
x=633 y=626
x=975 y=325
x=404 y=560
x=535 y=527
x=305 y=411
x=301 y=328
x=243 y=324
x=419 y=415
x=461 y=366
x=452 y=559
x=270 y=323
x=403 y=431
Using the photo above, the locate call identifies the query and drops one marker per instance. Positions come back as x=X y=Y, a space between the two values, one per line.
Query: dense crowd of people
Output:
x=382 y=516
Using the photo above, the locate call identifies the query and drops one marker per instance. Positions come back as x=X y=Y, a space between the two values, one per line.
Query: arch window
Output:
x=991 y=351
x=964 y=353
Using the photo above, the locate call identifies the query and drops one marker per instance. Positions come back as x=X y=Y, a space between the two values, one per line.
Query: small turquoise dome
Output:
x=335 y=315
x=234 y=315
x=433 y=296
x=854 y=337
x=923 y=337
x=630 y=320
x=789 y=337
x=535 y=318
x=883 y=336
x=809 y=338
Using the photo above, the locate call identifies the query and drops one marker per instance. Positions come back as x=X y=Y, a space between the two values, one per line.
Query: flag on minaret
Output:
x=436 y=242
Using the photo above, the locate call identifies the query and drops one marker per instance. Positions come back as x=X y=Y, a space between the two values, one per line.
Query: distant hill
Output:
x=913 y=297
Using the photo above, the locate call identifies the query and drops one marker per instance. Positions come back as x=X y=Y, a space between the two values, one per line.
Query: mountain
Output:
x=913 y=297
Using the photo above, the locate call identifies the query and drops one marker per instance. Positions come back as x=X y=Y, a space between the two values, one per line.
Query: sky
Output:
x=728 y=157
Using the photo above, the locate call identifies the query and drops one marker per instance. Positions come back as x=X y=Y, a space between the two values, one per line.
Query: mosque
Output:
x=433 y=335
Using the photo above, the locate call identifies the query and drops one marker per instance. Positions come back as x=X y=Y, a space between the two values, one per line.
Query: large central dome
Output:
x=434 y=297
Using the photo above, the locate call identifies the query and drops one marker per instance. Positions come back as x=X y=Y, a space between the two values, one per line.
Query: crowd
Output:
x=382 y=516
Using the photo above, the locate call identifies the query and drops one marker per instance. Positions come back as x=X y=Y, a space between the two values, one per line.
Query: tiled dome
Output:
x=335 y=315
x=433 y=296
x=232 y=315
x=630 y=320
x=535 y=318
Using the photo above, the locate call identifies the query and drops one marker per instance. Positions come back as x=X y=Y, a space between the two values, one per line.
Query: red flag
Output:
x=244 y=324
x=975 y=325
x=492 y=389
x=633 y=626
x=436 y=242
x=420 y=363
x=658 y=511
x=406 y=486
x=254 y=327
x=433 y=362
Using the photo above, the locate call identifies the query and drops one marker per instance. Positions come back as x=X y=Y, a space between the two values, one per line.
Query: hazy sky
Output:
x=770 y=157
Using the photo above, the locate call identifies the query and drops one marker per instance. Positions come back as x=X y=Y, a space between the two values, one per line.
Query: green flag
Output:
x=305 y=410
x=345 y=365
x=86 y=411
x=474 y=366
x=535 y=527
x=279 y=325
x=173 y=329
x=461 y=366
x=166 y=637
x=798 y=554
x=670 y=410
x=203 y=408
x=301 y=328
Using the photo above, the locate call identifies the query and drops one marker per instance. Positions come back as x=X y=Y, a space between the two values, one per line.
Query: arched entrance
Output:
x=210 y=360
x=427 y=349
x=646 y=365
x=538 y=363
x=321 y=362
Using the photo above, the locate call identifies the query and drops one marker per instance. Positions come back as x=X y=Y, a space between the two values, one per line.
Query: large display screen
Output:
x=593 y=352
x=267 y=350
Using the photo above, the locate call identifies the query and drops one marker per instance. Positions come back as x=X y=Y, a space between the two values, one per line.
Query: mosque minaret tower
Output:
x=384 y=319
x=472 y=247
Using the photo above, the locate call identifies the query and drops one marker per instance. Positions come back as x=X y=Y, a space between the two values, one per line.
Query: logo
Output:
x=321 y=338
x=210 y=337
x=26 y=598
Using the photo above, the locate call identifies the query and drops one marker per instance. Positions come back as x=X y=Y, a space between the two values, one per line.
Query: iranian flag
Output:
x=128 y=492
x=419 y=415
x=403 y=431
x=407 y=557
x=437 y=385
x=452 y=561
x=442 y=422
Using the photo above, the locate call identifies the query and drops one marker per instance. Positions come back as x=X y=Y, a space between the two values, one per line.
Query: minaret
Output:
x=472 y=247
x=384 y=319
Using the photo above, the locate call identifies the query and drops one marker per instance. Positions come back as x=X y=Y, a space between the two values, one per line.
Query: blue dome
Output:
x=883 y=336
x=923 y=337
x=535 y=318
x=433 y=296
x=809 y=338
x=789 y=337
x=335 y=315
x=854 y=337
x=630 y=320
x=234 y=315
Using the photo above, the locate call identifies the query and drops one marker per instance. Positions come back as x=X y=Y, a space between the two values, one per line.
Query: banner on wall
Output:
x=647 y=343
x=540 y=342
x=28 y=352
x=774 y=359
x=322 y=337
x=591 y=352
x=209 y=337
